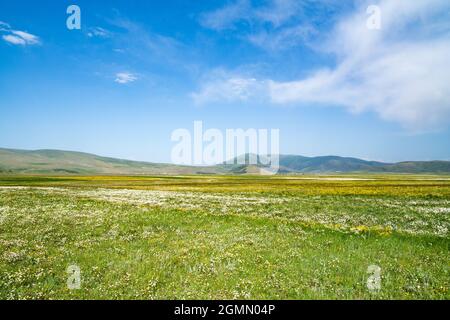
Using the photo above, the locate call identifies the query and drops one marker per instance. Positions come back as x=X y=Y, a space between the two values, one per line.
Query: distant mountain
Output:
x=335 y=164
x=78 y=163
x=327 y=164
x=417 y=167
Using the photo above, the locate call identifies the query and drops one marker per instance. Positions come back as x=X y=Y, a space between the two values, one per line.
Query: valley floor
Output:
x=225 y=237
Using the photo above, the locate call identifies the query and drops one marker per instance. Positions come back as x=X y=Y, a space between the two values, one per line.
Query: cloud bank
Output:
x=401 y=72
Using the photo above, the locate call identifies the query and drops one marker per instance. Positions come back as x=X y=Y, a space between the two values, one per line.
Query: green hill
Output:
x=70 y=162
x=14 y=161
x=334 y=164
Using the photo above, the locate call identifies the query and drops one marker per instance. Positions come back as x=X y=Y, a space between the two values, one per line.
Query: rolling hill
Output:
x=70 y=162
x=13 y=161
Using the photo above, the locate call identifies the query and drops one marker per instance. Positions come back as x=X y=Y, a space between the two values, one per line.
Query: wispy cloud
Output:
x=125 y=77
x=4 y=26
x=275 y=12
x=400 y=72
x=228 y=88
x=17 y=37
x=273 y=25
x=226 y=17
x=283 y=39
x=140 y=49
x=278 y=12
x=13 y=39
x=99 y=32
x=147 y=47
x=27 y=37
x=231 y=90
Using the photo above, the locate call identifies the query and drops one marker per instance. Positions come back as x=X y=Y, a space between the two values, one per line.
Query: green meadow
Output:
x=225 y=237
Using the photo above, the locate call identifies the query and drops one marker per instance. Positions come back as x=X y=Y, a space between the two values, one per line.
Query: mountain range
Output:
x=13 y=161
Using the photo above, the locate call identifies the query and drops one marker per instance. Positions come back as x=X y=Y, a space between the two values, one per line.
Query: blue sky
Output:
x=138 y=70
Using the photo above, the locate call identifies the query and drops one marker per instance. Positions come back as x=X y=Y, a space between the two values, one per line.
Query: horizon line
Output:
x=244 y=154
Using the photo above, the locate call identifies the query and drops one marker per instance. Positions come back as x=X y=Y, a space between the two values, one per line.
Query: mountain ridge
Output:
x=51 y=161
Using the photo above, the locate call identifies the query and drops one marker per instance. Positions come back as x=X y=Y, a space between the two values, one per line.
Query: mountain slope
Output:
x=418 y=167
x=78 y=163
x=70 y=162
x=327 y=164
x=334 y=164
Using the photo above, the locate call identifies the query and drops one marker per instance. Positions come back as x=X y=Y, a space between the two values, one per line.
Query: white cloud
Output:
x=275 y=12
x=14 y=40
x=125 y=77
x=401 y=72
x=220 y=86
x=283 y=39
x=18 y=37
x=278 y=11
x=272 y=25
x=4 y=26
x=98 y=32
x=148 y=47
x=227 y=16
x=230 y=90
x=27 y=37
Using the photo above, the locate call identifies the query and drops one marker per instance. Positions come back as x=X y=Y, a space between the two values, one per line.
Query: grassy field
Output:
x=225 y=237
